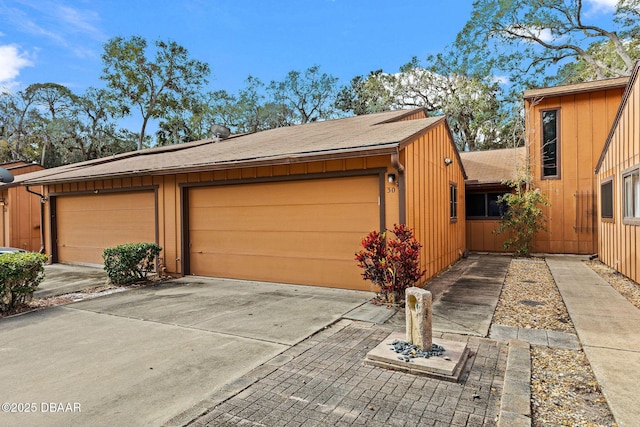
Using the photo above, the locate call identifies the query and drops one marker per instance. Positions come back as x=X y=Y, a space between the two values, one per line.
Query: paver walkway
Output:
x=323 y=382
x=609 y=329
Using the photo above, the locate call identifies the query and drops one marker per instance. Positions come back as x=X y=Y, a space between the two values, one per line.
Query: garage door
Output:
x=87 y=224
x=302 y=232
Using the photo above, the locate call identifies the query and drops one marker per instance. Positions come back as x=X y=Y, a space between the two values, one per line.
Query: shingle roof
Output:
x=371 y=134
x=493 y=166
x=571 y=89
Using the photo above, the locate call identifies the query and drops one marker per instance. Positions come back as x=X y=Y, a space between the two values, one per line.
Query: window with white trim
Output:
x=631 y=195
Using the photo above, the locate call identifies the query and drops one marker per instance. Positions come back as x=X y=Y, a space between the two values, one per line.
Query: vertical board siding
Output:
x=618 y=244
x=584 y=123
x=427 y=199
x=169 y=201
x=21 y=217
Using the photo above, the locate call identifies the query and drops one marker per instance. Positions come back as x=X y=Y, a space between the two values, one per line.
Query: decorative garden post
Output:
x=418 y=317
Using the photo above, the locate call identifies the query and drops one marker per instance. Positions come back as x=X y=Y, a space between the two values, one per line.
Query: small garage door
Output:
x=86 y=224
x=302 y=232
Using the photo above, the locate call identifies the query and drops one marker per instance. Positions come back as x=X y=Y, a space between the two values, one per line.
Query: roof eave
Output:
x=387 y=149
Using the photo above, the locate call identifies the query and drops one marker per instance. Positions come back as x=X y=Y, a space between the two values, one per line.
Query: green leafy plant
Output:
x=391 y=261
x=20 y=275
x=130 y=263
x=524 y=217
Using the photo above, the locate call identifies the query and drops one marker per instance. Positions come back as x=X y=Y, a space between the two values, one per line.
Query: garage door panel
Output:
x=318 y=245
x=86 y=224
x=302 y=218
x=337 y=274
x=263 y=194
x=302 y=232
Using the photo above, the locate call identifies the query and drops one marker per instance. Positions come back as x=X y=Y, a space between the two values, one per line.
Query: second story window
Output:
x=550 y=144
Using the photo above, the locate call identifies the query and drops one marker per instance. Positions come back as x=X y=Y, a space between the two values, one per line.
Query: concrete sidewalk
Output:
x=609 y=328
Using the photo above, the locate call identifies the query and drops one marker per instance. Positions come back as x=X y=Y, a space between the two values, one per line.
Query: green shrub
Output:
x=130 y=263
x=523 y=219
x=20 y=275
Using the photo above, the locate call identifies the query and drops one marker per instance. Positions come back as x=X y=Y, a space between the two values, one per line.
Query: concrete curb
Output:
x=515 y=406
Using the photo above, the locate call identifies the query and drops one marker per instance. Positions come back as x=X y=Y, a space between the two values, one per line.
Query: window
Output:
x=480 y=205
x=631 y=195
x=453 y=200
x=550 y=144
x=606 y=199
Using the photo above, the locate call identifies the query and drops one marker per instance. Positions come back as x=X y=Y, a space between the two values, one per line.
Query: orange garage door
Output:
x=86 y=224
x=303 y=232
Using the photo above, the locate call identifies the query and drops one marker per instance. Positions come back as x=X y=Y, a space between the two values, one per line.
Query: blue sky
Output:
x=61 y=41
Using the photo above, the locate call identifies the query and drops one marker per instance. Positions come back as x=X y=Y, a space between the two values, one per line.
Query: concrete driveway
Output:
x=143 y=356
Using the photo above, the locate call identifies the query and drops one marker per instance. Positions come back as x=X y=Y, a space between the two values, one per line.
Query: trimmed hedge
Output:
x=20 y=275
x=130 y=263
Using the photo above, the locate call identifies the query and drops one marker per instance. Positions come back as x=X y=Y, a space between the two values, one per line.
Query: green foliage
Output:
x=523 y=219
x=49 y=124
x=391 y=263
x=163 y=87
x=525 y=38
x=366 y=94
x=20 y=275
x=304 y=96
x=130 y=263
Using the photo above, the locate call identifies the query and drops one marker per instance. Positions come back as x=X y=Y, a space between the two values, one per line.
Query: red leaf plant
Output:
x=391 y=261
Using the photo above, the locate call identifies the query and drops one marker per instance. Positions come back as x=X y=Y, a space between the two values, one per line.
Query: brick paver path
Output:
x=326 y=384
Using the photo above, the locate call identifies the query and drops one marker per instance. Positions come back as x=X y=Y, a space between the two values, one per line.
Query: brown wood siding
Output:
x=21 y=214
x=86 y=224
x=619 y=242
x=481 y=236
x=427 y=198
x=169 y=203
x=23 y=218
x=301 y=231
x=585 y=120
x=4 y=218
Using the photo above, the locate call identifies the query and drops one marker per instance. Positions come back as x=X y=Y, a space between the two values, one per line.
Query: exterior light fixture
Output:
x=391 y=178
x=447 y=161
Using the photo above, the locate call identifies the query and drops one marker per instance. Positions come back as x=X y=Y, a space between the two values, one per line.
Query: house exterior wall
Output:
x=481 y=236
x=169 y=199
x=20 y=220
x=584 y=122
x=620 y=238
x=427 y=204
x=420 y=195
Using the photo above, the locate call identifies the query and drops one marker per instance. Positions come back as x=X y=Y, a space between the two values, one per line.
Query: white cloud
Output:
x=11 y=62
x=62 y=25
x=502 y=80
x=544 y=34
x=602 y=5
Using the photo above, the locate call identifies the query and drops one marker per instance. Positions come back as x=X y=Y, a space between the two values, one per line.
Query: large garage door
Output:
x=303 y=232
x=86 y=224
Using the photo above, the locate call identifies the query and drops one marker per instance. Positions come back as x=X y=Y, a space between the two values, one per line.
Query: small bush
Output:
x=20 y=275
x=391 y=263
x=524 y=218
x=130 y=263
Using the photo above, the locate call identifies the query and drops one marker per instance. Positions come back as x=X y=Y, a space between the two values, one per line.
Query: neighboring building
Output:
x=566 y=128
x=487 y=173
x=20 y=210
x=618 y=174
x=286 y=205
